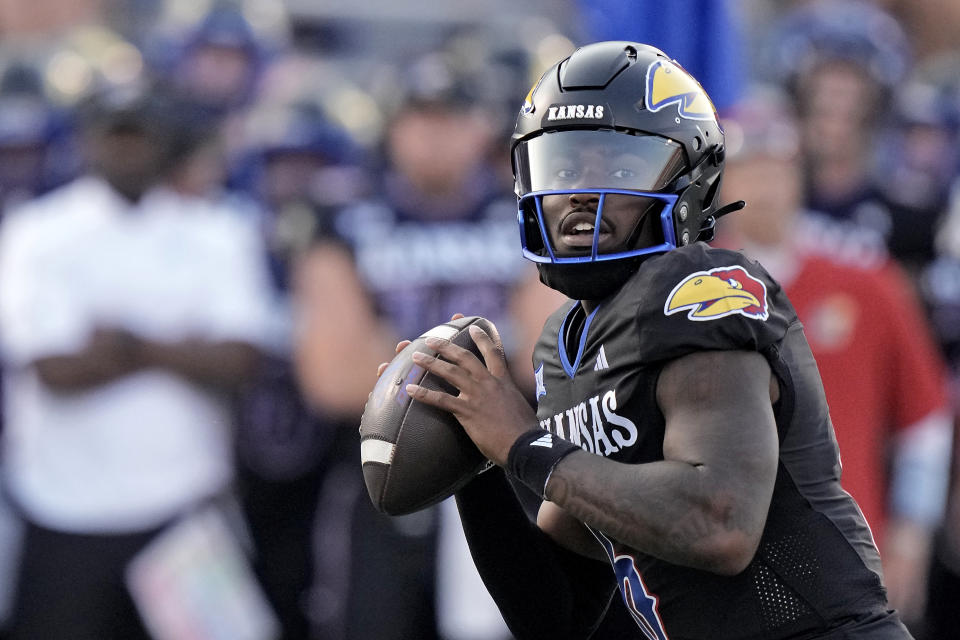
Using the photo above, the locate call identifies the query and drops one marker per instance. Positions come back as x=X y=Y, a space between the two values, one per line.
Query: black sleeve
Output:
x=701 y=299
x=543 y=591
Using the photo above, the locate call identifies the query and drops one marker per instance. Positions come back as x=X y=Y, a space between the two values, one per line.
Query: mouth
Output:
x=576 y=229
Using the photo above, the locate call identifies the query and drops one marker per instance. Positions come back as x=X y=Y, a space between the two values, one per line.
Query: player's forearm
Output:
x=219 y=364
x=543 y=591
x=678 y=512
x=72 y=373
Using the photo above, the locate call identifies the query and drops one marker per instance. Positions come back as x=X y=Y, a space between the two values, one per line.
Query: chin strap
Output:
x=729 y=208
x=708 y=228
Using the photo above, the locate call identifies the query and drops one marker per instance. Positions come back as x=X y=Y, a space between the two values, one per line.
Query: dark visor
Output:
x=596 y=159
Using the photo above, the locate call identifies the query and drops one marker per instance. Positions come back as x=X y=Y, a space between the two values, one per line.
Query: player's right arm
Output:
x=703 y=506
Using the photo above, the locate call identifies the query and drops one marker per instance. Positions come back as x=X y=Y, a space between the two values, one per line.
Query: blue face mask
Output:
x=625 y=210
x=651 y=232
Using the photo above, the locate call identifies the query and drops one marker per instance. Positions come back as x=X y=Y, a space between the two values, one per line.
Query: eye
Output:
x=733 y=283
x=623 y=173
x=567 y=174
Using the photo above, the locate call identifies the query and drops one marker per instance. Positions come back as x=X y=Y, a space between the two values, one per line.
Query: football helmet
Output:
x=617 y=155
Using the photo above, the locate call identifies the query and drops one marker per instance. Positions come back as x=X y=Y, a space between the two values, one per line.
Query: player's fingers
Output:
x=458 y=355
x=456 y=316
x=446 y=370
x=434 y=398
x=383 y=365
x=492 y=351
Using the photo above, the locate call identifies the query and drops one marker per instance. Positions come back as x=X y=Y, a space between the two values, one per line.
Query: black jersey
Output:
x=817 y=564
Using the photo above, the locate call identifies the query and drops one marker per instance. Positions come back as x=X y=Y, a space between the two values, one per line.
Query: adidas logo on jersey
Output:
x=546 y=440
x=601 y=360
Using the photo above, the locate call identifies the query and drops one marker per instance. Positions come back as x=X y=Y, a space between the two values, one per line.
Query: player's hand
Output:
x=402 y=345
x=491 y=408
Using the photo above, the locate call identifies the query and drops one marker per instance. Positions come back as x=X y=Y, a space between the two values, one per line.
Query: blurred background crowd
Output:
x=218 y=216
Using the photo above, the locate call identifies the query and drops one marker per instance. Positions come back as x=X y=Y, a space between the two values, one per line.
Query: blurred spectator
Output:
x=942 y=77
x=300 y=168
x=29 y=127
x=918 y=160
x=940 y=286
x=219 y=63
x=338 y=342
x=704 y=37
x=498 y=66
x=843 y=61
x=296 y=169
x=883 y=377
x=221 y=60
x=439 y=238
x=942 y=615
x=127 y=312
x=436 y=181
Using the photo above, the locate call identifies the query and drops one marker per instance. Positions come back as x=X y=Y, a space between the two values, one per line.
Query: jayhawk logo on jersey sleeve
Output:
x=698 y=298
x=718 y=293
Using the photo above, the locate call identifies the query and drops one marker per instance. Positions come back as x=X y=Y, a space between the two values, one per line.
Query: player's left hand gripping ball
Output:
x=415 y=454
x=491 y=408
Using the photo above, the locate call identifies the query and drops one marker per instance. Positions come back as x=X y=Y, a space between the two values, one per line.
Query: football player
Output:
x=681 y=433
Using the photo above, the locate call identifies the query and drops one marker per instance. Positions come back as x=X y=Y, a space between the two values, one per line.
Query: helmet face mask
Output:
x=595 y=195
x=617 y=155
x=568 y=227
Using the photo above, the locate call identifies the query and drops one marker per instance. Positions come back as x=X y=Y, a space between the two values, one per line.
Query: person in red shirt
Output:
x=883 y=376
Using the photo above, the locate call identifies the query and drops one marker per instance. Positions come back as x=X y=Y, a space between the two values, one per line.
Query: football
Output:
x=415 y=455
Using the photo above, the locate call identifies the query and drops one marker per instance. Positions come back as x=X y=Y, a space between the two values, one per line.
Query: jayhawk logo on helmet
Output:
x=718 y=293
x=668 y=83
x=528 y=107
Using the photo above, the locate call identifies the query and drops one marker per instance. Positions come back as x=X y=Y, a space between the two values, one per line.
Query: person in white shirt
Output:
x=128 y=312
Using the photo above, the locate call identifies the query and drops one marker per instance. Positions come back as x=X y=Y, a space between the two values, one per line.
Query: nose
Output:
x=589 y=200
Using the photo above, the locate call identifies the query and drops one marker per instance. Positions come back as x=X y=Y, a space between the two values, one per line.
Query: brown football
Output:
x=415 y=455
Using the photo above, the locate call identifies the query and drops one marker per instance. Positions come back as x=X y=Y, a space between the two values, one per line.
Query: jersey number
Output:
x=640 y=603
